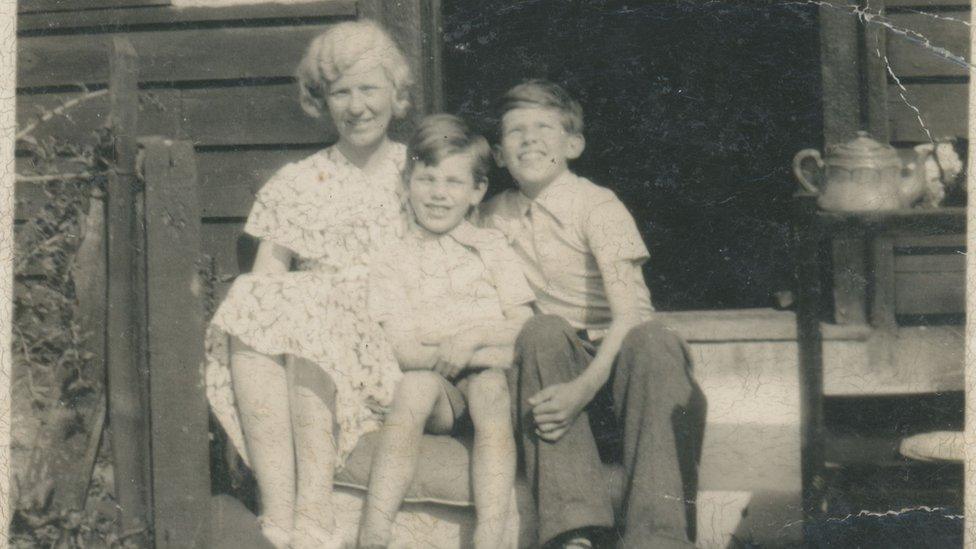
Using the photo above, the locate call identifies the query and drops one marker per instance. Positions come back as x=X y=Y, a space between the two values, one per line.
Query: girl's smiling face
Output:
x=361 y=103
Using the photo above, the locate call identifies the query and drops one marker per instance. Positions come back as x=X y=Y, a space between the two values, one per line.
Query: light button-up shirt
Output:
x=562 y=237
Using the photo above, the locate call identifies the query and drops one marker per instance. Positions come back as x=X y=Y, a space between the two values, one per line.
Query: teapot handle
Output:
x=801 y=176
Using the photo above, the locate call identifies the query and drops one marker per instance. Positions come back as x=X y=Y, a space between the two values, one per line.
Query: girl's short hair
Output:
x=338 y=49
x=543 y=93
x=441 y=135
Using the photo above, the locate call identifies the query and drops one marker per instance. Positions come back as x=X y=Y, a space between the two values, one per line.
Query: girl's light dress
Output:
x=326 y=211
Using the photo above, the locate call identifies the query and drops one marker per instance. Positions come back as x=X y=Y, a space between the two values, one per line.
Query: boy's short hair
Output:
x=441 y=135
x=338 y=49
x=543 y=93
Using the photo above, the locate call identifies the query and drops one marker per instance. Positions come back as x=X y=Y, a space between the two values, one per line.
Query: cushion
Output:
x=444 y=472
x=443 y=475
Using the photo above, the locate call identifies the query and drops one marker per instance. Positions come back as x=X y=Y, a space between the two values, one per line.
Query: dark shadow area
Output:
x=694 y=111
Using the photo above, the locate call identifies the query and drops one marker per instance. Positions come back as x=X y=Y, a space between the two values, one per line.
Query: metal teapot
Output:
x=863 y=175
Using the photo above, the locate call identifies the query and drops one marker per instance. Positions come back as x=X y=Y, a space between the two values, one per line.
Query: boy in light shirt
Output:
x=451 y=298
x=594 y=368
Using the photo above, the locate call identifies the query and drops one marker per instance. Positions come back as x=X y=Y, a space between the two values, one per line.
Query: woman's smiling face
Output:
x=361 y=103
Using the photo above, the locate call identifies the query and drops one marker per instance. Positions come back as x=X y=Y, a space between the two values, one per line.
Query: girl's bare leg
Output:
x=493 y=459
x=420 y=401
x=261 y=390
x=312 y=396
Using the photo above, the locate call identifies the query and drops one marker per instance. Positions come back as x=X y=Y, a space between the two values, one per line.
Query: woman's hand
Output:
x=454 y=354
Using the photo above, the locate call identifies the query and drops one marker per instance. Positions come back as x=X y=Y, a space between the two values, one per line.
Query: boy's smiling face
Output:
x=441 y=195
x=535 y=147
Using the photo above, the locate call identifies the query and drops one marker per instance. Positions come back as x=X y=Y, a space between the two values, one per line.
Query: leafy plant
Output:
x=53 y=370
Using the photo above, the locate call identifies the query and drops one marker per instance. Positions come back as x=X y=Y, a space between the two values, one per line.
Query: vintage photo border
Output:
x=8 y=52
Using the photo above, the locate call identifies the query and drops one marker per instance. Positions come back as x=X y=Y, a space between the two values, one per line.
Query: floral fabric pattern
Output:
x=332 y=217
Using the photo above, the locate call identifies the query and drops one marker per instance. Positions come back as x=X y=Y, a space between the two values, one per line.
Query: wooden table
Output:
x=812 y=228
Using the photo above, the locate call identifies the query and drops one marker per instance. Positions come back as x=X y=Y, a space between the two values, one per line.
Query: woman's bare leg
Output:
x=312 y=395
x=493 y=459
x=420 y=401
x=261 y=391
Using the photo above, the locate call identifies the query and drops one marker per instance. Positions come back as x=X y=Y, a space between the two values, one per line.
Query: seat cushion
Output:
x=443 y=475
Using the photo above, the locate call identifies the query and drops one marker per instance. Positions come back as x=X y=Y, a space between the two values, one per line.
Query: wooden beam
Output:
x=840 y=71
x=28 y=6
x=850 y=281
x=949 y=31
x=171 y=55
x=181 y=478
x=874 y=76
x=810 y=346
x=942 y=106
x=416 y=27
x=91 y=288
x=128 y=383
x=883 y=284
x=168 y=16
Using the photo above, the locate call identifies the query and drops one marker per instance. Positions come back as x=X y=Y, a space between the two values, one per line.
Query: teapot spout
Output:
x=914 y=180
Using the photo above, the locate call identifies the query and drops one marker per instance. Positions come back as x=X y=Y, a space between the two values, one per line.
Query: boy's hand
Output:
x=556 y=407
x=454 y=354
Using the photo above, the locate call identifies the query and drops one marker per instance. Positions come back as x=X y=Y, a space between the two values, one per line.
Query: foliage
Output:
x=53 y=372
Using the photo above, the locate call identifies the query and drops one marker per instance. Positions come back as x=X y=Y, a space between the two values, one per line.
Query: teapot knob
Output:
x=801 y=176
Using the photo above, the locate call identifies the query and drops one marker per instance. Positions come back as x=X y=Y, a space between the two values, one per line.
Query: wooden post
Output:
x=883 y=283
x=416 y=27
x=125 y=326
x=850 y=281
x=180 y=447
x=839 y=65
x=875 y=76
x=809 y=339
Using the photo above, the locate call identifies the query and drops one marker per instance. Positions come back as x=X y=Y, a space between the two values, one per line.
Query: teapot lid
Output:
x=864 y=151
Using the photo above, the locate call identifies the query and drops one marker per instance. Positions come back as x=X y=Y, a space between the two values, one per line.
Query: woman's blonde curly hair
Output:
x=339 y=48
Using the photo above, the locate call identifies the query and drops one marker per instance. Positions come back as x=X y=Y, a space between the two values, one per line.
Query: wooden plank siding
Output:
x=29 y=6
x=165 y=17
x=926 y=79
x=221 y=78
x=172 y=56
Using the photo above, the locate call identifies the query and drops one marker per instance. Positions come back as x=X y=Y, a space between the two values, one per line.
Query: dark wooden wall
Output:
x=876 y=70
x=936 y=86
x=876 y=73
x=929 y=273
x=219 y=77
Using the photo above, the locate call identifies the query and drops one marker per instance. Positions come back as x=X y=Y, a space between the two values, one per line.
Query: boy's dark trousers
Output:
x=651 y=414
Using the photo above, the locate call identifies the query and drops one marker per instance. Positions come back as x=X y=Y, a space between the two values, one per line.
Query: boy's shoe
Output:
x=578 y=543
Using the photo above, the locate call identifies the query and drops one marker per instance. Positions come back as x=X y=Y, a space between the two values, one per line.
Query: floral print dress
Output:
x=332 y=217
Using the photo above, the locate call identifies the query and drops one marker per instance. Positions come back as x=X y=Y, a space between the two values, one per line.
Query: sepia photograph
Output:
x=487 y=274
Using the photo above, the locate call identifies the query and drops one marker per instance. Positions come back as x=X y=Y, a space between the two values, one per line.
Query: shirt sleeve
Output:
x=612 y=234
x=505 y=268
x=269 y=213
x=387 y=300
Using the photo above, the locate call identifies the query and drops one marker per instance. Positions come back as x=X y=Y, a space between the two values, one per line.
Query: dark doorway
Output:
x=693 y=113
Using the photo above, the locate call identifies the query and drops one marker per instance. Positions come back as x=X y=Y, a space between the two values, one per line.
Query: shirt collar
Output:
x=556 y=199
x=463 y=234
